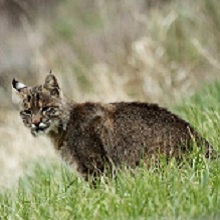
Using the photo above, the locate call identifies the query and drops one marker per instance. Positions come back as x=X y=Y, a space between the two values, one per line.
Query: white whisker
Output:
x=42 y=125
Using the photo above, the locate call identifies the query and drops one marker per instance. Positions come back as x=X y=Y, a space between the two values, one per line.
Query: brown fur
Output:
x=92 y=136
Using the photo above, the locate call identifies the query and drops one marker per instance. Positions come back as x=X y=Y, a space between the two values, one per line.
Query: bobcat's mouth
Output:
x=39 y=129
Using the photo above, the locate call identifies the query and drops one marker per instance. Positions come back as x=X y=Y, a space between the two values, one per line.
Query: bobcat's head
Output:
x=40 y=106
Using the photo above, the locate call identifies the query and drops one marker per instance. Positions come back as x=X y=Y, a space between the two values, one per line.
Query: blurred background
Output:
x=149 y=50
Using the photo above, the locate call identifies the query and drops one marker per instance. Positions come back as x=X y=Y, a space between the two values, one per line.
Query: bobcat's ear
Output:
x=19 y=91
x=52 y=85
x=19 y=87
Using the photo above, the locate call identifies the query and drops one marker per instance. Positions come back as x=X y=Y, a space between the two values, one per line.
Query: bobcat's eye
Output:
x=49 y=110
x=45 y=108
x=26 y=112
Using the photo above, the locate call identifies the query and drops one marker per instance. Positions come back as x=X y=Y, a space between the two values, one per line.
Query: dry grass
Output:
x=120 y=50
x=17 y=148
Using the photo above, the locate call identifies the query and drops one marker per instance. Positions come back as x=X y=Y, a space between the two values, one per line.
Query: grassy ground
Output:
x=107 y=51
x=53 y=191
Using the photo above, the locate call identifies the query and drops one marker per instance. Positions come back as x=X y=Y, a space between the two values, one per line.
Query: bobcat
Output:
x=93 y=135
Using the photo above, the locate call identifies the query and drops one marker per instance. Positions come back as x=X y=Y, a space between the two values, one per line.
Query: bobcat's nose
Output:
x=36 y=120
x=37 y=125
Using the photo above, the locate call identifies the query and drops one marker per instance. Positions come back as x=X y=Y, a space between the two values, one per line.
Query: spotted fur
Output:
x=41 y=106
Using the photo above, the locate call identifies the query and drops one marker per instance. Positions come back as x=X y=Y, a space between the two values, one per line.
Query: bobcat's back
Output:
x=125 y=133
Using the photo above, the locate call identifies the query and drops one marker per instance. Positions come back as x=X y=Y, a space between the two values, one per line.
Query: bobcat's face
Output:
x=41 y=106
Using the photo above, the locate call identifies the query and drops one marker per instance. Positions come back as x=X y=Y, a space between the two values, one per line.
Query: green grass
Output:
x=53 y=191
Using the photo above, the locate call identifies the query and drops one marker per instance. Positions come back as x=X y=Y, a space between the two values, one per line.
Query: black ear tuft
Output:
x=14 y=82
